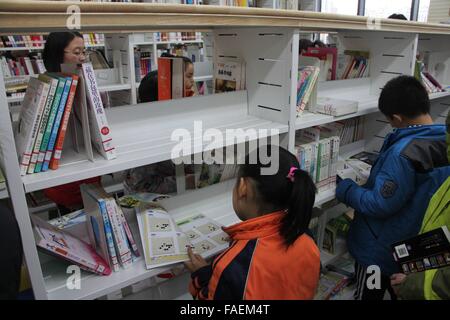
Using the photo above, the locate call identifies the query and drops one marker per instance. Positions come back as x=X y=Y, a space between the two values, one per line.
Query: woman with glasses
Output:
x=65 y=47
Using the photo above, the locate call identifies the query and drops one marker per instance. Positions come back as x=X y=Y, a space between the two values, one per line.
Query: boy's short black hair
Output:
x=404 y=95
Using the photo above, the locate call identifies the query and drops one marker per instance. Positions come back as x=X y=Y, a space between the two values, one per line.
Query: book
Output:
x=165 y=240
x=429 y=250
x=63 y=244
x=43 y=125
x=328 y=57
x=51 y=119
x=229 y=75
x=29 y=120
x=57 y=123
x=99 y=128
x=336 y=107
x=56 y=156
x=354 y=169
x=164 y=79
x=106 y=227
x=307 y=79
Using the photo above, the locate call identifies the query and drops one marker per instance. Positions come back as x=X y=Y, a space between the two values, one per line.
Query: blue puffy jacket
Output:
x=411 y=166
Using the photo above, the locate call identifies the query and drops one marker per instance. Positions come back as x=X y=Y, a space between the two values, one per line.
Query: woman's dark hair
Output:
x=55 y=44
x=319 y=43
x=278 y=192
x=148 y=89
x=304 y=44
x=397 y=16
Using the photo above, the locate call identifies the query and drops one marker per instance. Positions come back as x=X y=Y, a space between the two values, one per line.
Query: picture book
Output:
x=165 y=240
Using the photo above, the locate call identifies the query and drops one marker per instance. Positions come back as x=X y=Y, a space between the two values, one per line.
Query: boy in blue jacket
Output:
x=411 y=166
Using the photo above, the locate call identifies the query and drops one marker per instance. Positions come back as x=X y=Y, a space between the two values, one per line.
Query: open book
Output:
x=165 y=240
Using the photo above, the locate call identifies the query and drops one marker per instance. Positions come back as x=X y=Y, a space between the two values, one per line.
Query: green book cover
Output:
x=51 y=120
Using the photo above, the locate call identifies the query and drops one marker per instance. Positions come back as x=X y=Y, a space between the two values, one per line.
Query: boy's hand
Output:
x=397 y=279
x=196 y=261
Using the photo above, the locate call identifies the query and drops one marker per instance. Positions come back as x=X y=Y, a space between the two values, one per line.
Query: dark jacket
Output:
x=390 y=207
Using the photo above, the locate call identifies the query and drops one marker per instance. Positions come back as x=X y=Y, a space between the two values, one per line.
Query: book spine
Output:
x=124 y=253
x=164 y=79
x=100 y=130
x=54 y=162
x=57 y=123
x=127 y=229
x=25 y=161
x=42 y=126
x=108 y=233
x=48 y=129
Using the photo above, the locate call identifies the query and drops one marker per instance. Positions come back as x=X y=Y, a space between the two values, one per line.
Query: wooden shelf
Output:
x=23 y=17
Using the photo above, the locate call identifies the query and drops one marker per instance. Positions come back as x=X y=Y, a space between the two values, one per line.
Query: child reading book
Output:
x=270 y=256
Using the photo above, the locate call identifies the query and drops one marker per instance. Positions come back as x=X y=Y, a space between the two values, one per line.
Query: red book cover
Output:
x=54 y=162
x=164 y=79
x=322 y=53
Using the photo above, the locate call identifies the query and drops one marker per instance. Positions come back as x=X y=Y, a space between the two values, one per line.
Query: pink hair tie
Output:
x=291 y=173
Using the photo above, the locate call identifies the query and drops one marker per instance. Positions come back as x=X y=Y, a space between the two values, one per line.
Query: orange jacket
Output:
x=257 y=265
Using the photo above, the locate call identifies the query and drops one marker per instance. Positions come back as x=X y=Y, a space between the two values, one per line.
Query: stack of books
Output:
x=429 y=82
x=307 y=78
x=22 y=66
x=45 y=113
x=108 y=229
x=319 y=157
x=356 y=65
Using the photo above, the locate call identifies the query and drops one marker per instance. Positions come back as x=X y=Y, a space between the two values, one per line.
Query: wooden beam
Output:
x=44 y=16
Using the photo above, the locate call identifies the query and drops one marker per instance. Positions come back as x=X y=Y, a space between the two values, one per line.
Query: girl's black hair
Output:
x=55 y=44
x=278 y=192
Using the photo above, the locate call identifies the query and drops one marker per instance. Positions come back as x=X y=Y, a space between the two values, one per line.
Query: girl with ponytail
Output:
x=271 y=255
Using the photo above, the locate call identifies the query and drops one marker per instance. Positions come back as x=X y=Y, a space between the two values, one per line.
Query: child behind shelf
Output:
x=390 y=207
x=270 y=255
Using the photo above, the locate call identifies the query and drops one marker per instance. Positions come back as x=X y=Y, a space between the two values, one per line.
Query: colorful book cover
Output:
x=54 y=162
x=29 y=120
x=56 y=124
x=98 y=123
x=164 y=79
x=62 y=244
x=50 y=122
x=45 y=115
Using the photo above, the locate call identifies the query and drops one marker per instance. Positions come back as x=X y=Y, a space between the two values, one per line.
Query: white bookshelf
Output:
x=142 y=132
x=214 y=202
x=142 y=135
